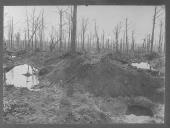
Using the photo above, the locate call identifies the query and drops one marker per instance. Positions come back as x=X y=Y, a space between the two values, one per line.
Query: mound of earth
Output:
x=105 y=76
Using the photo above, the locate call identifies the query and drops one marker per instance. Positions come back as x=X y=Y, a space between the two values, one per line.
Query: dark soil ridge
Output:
x=105 y=77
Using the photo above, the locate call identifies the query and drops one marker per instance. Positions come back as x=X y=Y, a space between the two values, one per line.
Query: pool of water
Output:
x=13 y=56
x=22 y=76
x=142 y=65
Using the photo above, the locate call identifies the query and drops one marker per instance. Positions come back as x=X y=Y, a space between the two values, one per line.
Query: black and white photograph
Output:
x=84 y=64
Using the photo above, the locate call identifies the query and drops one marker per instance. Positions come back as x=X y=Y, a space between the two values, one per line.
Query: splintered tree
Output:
x=133 y=42
x=33 y=27
x=52 y=38
x=88 y=45
x=74 y=27
x=41 y=30
x=17 y=38
x=153 y=29
x=69 y=27
x=84 y=29
x=121 y=45
x=107 y=43
x=148 y=43
x=28 y=32
x=61 y=29
x=144 y=44
x=11 y=33
x=90 y=40
x=34 y=32
x=124 y=47
x=103 y=39
x=116 y=32
x=126 y=34
x=61 y=13
x=97 y=38
x=31 y=36
x=25 y=39
x=160 y=38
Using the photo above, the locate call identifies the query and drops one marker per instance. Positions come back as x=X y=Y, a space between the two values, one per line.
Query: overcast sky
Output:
x=140 y=18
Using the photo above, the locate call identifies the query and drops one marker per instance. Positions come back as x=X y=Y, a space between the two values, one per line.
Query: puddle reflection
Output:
x=143 y=65
x=22 y=76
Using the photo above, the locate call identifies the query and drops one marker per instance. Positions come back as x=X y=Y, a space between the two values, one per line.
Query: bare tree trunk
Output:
x=143 y=47
x=117 y=42
x=121 y=45
x=160 y=39
x=69 y=32
x=25 y=39
x=33 y=25
x=35 y=41
x=57 y=37
x=84 y=29
x=90 y=40
x=124 y=47
x=116 y=32
x=103 y=39
x=9 y=36
x=153 y=29
x=97 y=38
x=42 y=31
x=127 y=45
x=61 y=26
x=17 y=39
x=133 y=42
x=164 y=40
x=148 y=43
x=83 y=41
x=28 y=33
x=107 y=44
x=10 y=33
x=73 y=34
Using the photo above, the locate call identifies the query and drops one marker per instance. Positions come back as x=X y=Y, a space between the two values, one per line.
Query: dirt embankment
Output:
x=103 y=75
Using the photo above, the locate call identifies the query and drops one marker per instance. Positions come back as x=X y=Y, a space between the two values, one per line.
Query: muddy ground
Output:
x=86 y=88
